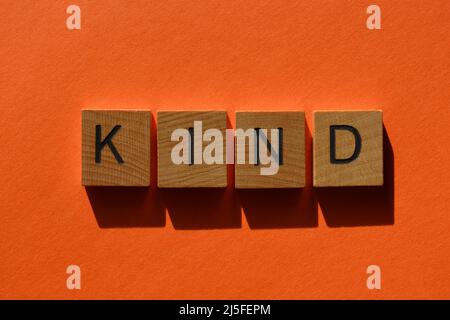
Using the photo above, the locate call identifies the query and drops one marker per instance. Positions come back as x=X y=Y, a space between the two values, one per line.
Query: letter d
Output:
x=356 y=151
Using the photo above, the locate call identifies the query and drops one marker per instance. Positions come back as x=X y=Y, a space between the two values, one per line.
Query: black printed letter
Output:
x=357 y=150
x=99 y=145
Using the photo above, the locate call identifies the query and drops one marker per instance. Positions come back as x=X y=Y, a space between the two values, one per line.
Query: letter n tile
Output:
x=289 y=154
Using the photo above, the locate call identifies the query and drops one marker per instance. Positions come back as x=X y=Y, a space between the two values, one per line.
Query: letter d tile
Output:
x=115 y=148
x=348 y=148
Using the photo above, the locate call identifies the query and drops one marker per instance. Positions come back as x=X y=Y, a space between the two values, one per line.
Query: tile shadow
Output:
x=126 y=207
x=196 y=209
x=279 y=208
x=361 y=206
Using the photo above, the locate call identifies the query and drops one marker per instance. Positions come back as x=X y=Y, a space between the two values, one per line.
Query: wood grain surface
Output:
x=291 y=173
x=367 y=168
x=132 y=141
x=171 y=175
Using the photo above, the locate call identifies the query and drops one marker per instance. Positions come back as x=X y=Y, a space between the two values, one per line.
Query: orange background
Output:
x=224 y=55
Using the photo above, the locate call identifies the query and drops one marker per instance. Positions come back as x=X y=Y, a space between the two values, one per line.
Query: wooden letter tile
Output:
x=186 y=167
x=348 y=148
x=115 y=148
x=290 y=152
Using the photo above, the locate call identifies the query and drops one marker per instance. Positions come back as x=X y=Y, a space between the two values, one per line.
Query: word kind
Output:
x=267 y=149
